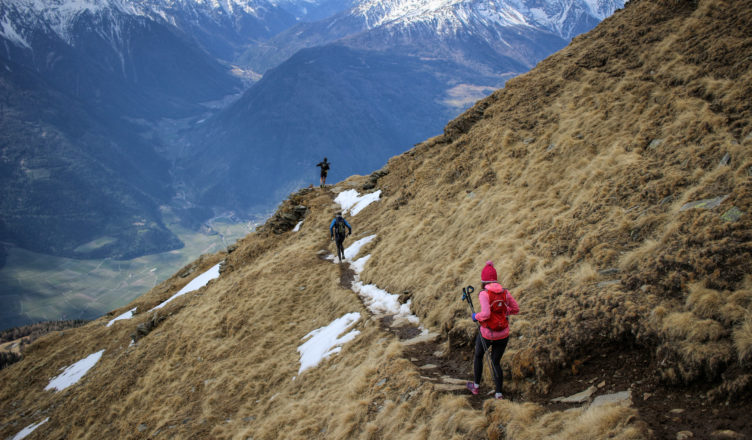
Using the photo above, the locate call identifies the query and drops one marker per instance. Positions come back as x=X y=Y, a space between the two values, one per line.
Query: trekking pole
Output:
x=466 y=292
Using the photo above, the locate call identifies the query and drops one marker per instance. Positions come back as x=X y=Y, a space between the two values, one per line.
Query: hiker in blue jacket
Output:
x=337 y=233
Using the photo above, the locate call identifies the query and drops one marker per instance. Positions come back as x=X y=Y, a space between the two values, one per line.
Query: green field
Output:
x=36 y=287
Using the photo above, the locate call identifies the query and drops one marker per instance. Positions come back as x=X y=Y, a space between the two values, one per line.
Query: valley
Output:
x=38 y=287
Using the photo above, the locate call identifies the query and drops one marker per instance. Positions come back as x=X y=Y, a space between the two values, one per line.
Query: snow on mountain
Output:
x=449 y=16
x=228 y=19
x=21 y=18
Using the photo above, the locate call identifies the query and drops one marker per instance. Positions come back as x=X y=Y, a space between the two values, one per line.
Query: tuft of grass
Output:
x=743 y=339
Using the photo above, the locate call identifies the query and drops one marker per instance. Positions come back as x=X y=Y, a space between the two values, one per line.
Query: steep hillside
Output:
x=610 y=185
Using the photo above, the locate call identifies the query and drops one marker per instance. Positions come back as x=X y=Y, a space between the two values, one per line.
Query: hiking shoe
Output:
x=499 y=396
x=472 y=387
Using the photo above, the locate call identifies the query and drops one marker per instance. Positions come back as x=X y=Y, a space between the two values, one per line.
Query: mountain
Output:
x=107 y=54
x=72 y=179
x=527 y=31
x=222 y=28
x=398 y=69
x=84 y=84
x=356 y=107
x=610 y=187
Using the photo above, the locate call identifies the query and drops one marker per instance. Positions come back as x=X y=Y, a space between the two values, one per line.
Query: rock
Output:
x=381 y=382
x=620 y=397
x=726 y=434
x=187 y=272
x=551 y=146
x=725 y=160
x=732 y=215
x=655 y=143
x=602 y=384
x=665 y=200
x=428 y=367
x=577 y=398
x=404 y=297
x=142 y=427
x=704 y=204
x=448 y=387
x=676 y=411
x=684 y=435
x=447 y=379
x=608 y=283
x=609 y=271
x=646 y=396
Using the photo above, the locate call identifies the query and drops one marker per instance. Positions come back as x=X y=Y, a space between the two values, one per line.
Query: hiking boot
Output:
x=498 y=396
x=472 y=387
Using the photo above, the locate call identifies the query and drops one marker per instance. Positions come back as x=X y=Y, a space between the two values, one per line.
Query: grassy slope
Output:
x=579 y=166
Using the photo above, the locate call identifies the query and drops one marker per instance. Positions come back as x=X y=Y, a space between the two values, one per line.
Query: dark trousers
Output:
x=340 y=247
x=497 y=350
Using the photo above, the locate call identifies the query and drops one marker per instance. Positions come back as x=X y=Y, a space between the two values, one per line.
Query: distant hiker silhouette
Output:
x=496 y=303
x=324 y=165
x=338 y=230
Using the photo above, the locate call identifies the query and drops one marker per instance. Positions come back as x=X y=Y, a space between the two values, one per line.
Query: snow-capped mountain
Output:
x=524 y=30
x=565 y=18
x=220 y=26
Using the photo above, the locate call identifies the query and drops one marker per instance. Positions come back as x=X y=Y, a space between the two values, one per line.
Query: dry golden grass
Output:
x=572 y=179
x=529 y=421
x=743 y=339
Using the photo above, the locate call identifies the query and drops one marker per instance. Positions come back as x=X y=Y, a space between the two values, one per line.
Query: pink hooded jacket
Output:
x=485 y=311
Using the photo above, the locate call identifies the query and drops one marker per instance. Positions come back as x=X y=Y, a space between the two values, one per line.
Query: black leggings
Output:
x=340 y=247
x=497 y=350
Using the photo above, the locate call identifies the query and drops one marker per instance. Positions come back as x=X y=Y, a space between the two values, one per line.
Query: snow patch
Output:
x=353 y=250
x=75 y=372
x=326 y=341
x=380 y=302
x=359 y=265
x=352 y=201
x=28 y=430
x=126 y=315
x=195 y=284
x=9 y=32
x=297 y=227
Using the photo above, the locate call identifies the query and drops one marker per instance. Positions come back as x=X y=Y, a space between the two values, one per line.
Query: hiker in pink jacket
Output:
x=496 y=303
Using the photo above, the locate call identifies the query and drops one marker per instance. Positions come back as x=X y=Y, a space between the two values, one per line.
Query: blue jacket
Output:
x=331 y=227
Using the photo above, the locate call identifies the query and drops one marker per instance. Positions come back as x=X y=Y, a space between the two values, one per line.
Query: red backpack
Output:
x=497 y=298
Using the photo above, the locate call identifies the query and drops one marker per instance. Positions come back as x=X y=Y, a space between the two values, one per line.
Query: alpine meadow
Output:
x=611 y=186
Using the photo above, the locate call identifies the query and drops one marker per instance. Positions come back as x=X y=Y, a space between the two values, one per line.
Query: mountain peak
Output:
x=558 y=16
